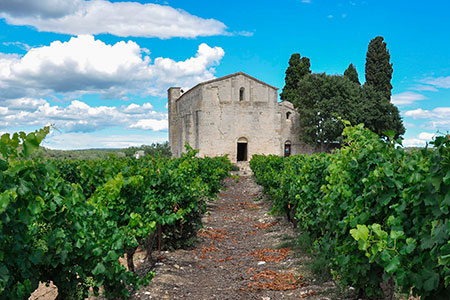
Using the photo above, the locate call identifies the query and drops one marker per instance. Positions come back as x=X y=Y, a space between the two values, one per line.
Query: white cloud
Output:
x=245 y=33
x=438 y=82
x=406 y=98
x=151 y=124
x=424 y=87
x=40 y=8
x=99 y=16
x=20 y=45
x=418 y=113
x=426 y=136
x=439 y=118
x=437 y=113
x=419 y=141
x=79 y=116
x=69 y=141
x=87 y=65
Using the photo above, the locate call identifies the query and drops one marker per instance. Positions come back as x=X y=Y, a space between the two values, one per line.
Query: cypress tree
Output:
x=297 y=69
x=352 y=74
x=380 y=114
x=378 y=67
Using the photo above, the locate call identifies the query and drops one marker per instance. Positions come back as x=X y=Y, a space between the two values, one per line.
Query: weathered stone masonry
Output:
x=237 y=115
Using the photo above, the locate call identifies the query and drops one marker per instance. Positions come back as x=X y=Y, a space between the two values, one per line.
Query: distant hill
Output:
x=100 y=153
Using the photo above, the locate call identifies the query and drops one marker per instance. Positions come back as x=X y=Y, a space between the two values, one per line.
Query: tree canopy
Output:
x=322 y=100
x=297 y=69
x=378 y=67
x=352 y=74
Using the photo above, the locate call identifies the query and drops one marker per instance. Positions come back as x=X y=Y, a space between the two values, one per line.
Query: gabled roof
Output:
x=226 y=77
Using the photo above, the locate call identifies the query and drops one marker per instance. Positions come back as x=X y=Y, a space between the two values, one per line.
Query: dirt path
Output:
x=239 y=256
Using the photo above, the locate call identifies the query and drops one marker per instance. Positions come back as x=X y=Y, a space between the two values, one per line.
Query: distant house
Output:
x=237 y=115
x=139 y=154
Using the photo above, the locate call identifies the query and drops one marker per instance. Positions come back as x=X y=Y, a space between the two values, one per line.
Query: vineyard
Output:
x=69 y=222
x=378 y=214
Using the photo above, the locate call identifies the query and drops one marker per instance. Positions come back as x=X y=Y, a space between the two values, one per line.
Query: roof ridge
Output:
x=225 y=77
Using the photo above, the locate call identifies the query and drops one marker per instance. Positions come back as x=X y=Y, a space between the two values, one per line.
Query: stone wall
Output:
x=214 y=115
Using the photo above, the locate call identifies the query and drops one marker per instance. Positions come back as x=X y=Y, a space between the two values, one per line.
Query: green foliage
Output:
x=323 y=99
x=69 y=221
x=376 y=212
x=352 y=74
x=88 y=154
x=297 y=69
x=155 y=150
x=378 y=67
x=377 y=114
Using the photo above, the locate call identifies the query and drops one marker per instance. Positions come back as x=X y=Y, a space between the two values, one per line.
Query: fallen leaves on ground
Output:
x=213 y=234
x=271 y=255
x=209 y=249
x=224 y=259
x=275 y=281
x=265 y=225
x=247 y=205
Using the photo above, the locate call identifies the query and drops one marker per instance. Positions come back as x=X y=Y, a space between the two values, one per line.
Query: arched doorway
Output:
x=242 y=145
x=287 y=148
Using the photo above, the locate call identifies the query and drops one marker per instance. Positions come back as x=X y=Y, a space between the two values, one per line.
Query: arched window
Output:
x=241 y=94
x=288 y=115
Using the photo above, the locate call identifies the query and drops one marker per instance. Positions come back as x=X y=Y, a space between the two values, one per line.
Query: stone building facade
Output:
x=237 y=115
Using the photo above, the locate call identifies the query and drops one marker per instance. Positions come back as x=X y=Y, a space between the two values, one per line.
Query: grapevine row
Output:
x=375 y=211
x=69 y=222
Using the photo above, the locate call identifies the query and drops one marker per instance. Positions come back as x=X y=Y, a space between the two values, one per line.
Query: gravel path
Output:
x=243 y=253
x=241 y=256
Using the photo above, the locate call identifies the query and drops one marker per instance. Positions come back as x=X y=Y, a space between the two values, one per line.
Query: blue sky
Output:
x=99 y=70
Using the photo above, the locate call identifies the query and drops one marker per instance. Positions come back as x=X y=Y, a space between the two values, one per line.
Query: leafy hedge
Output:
x=70 y=221
x=376 y=211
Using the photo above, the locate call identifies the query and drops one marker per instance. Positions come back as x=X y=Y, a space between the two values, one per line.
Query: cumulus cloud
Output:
x=406 y=98
x=152 y=124
x=40 y=8
x=123 y=18
x=85 y=65
x=69 y=141
x=439 y=118
x=79 y=116
x=419 y=141
x=437 y=113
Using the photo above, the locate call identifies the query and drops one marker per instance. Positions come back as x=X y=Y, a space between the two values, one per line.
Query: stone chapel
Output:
x=237 y=115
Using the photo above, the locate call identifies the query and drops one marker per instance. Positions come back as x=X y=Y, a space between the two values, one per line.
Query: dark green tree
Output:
x=322 y=100
x=377 y=111
x=352 y=74
x=378 y=114
x=297 y=69
x=378 y=67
